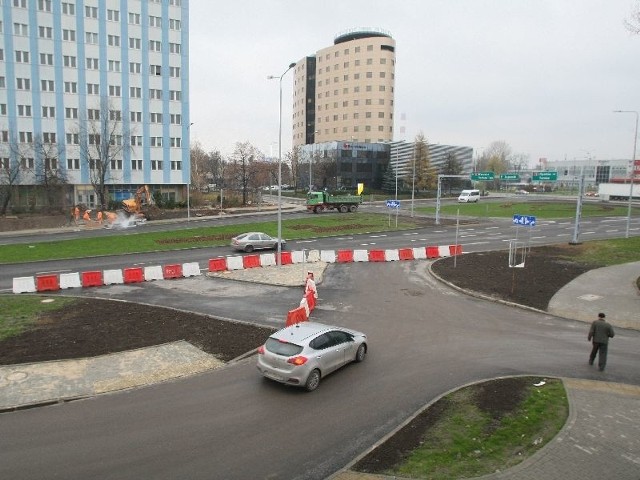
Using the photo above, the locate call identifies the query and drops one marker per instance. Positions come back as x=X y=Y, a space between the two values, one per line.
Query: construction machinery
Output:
x=140 y=204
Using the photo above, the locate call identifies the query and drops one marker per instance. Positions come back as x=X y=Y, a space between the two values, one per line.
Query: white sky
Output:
x=543 y=76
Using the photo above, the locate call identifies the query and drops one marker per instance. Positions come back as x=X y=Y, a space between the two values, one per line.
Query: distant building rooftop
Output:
x=361 y=32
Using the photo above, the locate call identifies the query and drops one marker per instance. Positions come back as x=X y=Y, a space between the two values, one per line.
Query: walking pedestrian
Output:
x=600 y=333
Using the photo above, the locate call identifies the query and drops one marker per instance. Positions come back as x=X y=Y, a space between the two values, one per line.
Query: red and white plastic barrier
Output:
x=53 y=282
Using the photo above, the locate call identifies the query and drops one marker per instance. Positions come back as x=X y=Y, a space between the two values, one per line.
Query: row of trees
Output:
x=100 y=141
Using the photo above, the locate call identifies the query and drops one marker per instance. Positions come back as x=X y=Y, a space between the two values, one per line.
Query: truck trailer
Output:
x=321 y=201
x=618 y=191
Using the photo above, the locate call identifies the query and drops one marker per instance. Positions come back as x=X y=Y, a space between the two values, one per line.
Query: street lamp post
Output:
x=631 y=170
x=279 y=251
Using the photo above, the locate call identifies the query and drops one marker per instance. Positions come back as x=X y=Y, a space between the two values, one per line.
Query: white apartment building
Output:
x=73 y=73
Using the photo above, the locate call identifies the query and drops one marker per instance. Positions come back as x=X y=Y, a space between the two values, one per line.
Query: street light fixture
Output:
x=631 y=170
x=279 y=251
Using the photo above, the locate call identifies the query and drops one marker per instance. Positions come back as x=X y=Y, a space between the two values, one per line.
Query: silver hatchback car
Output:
x=248 y=242
x=304 y=353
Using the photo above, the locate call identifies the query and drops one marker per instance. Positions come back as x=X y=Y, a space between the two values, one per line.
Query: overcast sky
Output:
x=543 y=76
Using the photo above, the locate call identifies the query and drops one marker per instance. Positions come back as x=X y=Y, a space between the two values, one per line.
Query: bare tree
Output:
x=48 y=173
x=496 y=158
x=199 y=166
x=10 y=170
x=633 y=22
x=103 y=143
x=242 y=171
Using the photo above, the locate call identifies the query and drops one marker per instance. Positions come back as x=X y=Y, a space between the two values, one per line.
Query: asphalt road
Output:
x=473 y=236
x=424 y=341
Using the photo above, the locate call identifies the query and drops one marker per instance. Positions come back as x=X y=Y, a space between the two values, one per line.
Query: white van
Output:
x=467 y=196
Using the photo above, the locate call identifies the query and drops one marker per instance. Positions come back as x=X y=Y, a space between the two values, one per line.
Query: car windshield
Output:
x=282 y=348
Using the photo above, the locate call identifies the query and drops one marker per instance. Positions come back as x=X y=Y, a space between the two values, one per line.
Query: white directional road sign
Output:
x=393 y=203
x=526 y=220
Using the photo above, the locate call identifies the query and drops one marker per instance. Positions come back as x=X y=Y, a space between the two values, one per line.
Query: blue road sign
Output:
x=393 y=203
x=526 y=220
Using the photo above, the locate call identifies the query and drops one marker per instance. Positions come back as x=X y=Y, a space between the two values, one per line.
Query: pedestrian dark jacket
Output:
x=601 y=331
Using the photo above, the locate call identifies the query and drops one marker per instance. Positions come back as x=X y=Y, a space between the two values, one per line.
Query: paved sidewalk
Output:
x=611 y=290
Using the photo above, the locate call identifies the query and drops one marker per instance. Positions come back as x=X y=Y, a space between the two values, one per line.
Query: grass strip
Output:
x=138 y=241
x=18 y=314
x=542 y=210
x=469 y=442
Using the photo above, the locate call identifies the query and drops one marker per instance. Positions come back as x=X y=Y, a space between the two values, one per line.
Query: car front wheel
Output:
x=362 y=351
x=248 y=248
x=313 y=380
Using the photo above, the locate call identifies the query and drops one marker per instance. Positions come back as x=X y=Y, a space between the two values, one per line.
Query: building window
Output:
x=93 y=114
x=176 y=142
x=156 y=117
x=46 y=59
x=44 y=5
x=113 y=40
x=175 y=95
x=135 y=92
x=23 y=84
x=49 y=137
x=136 y=141
x=69 y=61
x=46 y=85
x=91 y=12
x=51 y=163
x=3 y=108
x=156 y=141
x=135 y=43
x=155 y=21
x=155 y=45
x=69 y=35
x=115 y=115
x=155 y=70
x=174 y=72
x=92 y=63
x=73 y=164
x=70 y=112
x=73 y=139
x=113 y=15
x=114 y=90
x=27 y=162
x=176 y=165
x=20 y=29
x=155 y=93
x=175 y=48
x=22 y=56
x=116 y=164
x=114 y=66
x=136 y=117
x=135 y=67
x=380 y=114
x=24 y=110
x=70 y=87
x=136 y=164
x=68 y=8
x=91 y=38
x=156 y=164
x=176 y=119
x=174 y=24
x=93 y=88
x=45 y=32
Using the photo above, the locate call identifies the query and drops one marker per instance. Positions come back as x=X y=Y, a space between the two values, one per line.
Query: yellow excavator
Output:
x=140 y=204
